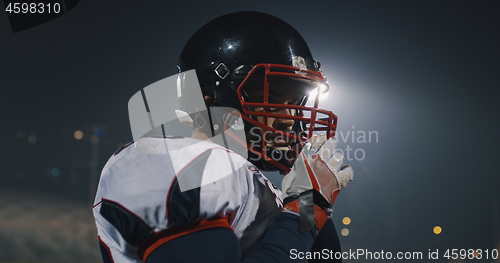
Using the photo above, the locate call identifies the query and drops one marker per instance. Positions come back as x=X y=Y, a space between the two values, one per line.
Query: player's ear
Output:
x=208 y=95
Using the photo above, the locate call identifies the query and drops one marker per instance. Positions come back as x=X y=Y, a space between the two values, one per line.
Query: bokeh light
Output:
x=78 y=135
x=20 y=135
x=99 y=132
x=346 y=221
x=344 y=232
x=437 y=230
x=94 y=139
x=32 y=139
x=55 y=172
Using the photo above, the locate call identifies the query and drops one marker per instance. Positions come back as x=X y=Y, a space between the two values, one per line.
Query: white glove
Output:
x=318 y=166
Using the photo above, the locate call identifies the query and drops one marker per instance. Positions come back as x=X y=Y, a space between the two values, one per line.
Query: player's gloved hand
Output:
x=317 y=167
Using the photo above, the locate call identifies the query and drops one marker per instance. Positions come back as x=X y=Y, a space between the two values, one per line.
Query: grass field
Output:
x=42 y=228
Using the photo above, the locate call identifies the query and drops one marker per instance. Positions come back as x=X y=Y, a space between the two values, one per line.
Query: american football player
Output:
x=261 y=68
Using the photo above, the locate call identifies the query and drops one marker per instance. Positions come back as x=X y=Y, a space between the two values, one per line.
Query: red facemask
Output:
x=317 y=119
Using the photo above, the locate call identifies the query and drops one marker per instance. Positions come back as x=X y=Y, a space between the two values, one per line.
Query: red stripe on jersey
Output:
x=174 y=232
x=97 y=204
x=107 y=248
x=123 y=148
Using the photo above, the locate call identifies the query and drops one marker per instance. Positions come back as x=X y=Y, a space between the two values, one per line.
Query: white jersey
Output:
x=139 y=198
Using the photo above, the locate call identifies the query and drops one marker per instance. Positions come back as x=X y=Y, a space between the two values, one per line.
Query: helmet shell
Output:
x=240 y=41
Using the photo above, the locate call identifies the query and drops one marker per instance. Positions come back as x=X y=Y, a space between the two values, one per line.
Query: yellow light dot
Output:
x=344 y=232
x=346 y=220
x=78 y=135
x=437 y=230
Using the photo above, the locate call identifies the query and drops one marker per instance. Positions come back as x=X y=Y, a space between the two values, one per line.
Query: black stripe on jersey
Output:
x=266 y=213
x=184 y=207
x=130 y=226
x=105 y=252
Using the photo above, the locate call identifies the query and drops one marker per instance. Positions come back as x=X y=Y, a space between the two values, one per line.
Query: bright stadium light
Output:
x=322 y=95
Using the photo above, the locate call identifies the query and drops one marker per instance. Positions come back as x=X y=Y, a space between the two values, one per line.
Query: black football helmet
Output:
x=237 y=52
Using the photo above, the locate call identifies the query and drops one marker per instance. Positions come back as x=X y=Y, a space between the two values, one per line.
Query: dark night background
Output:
x=423 y=74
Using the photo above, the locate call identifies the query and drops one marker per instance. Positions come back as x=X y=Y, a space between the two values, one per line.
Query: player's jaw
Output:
x=279 y=135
